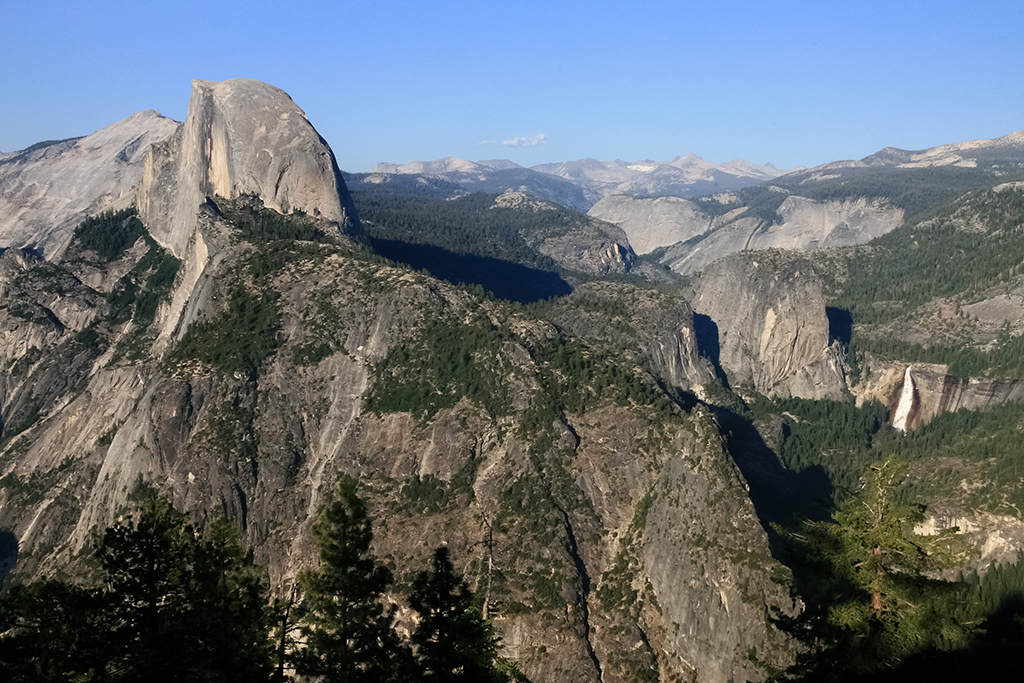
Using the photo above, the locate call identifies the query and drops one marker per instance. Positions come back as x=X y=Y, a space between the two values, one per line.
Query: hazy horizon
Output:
x=791 y=84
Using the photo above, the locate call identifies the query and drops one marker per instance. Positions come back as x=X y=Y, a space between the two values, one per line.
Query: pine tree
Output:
x=230 y=618
x=52 y=631
x=349 y=634
x=453 y=642
x=184 y=608
x=870 y=602
x=147 y=568
x=172 y=607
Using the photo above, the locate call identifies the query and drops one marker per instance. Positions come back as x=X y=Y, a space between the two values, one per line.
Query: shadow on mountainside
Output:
x=504 y=279
x=996 y=656
x=840 y=325
x=8 y=553
x=706 y=331
x=779 y=495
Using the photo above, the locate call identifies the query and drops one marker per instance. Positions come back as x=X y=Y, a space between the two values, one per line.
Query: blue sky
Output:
x=793 y=83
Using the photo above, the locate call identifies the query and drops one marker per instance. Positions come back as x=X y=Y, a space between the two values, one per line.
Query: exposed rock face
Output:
x=623 y=314
x=588 y=246
x=46 y=192
x=610 y=531
x=933 y=392
x=998 y=537
x=991 y=154
x=719 y=616
x=806 y=225
x=653 y=223
x=241 y=136
x=628 y=523
x=731 y=233
x=772 y=330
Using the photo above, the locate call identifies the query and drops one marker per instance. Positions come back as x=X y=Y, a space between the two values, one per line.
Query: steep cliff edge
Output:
x=625 y=315
x=932 y=391
x=240 y=137
x=237 y=357
x=766 y=316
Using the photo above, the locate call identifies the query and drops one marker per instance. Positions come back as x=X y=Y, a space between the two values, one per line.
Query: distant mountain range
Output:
x=590 y=180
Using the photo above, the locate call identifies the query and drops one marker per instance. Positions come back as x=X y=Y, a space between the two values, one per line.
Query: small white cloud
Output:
x=535 y=141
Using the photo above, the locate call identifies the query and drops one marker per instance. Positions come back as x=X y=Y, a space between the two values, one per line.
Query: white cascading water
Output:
x=906 y=402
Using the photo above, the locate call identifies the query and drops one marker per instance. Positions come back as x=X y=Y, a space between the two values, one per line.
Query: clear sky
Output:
x=793 y=83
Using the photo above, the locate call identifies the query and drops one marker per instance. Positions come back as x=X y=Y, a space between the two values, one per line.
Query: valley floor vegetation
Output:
x=164 y=602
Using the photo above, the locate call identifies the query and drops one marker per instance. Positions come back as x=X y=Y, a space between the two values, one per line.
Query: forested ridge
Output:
x=970 y=249
x=159 y=599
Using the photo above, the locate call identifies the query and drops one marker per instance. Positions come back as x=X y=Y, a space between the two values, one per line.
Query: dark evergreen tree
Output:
x=172 y=607
x=52 y=631
x=453 y=642
x=870 y=603
x=349 y=634
x=147 y=568
x=184 y=608
x=229 y=615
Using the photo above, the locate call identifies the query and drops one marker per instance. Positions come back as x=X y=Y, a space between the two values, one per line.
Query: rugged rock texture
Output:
x=766 y=316
x=998 y=538
x=653 y=223
x=606 y=526
x=730 y=234
x=48 y=189
x=241 y=136
x=619 y=537
x=806 y=225
x=934 y=391
x=588 y=246
x=623 y=314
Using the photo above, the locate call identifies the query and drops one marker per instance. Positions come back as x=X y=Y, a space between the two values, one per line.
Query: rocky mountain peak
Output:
x=241 y=136
x=49 y=188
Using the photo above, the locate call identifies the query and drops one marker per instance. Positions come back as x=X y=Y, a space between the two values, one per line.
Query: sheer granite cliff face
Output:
x=612 y=537
x=240 y=137
x=932 y=390
x=767 y=317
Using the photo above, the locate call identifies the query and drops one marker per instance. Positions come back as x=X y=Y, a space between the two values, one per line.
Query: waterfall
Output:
x=906 y=402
